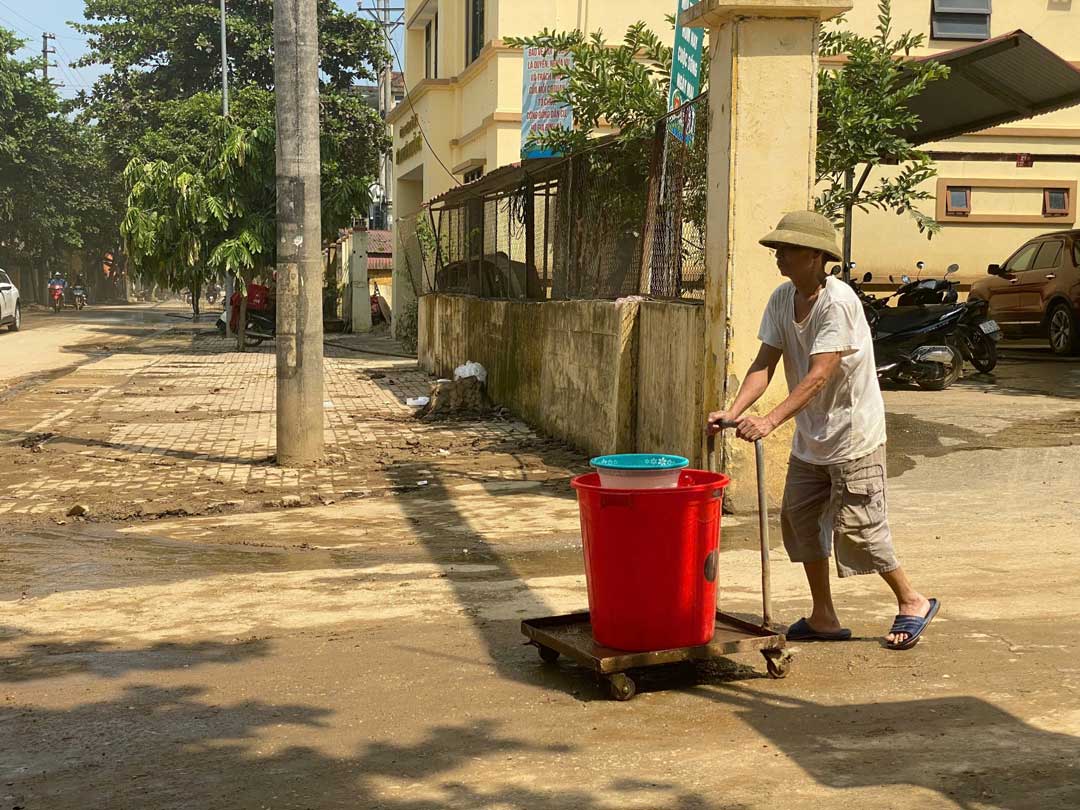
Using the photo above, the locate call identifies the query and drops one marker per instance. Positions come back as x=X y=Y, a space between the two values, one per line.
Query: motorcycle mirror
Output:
x=920 y=265
x=952 y=268
x=835 y=270
x=893 y=280
x=867 y=277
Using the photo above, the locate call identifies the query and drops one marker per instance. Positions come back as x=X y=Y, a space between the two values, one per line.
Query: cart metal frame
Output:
x=571 y=634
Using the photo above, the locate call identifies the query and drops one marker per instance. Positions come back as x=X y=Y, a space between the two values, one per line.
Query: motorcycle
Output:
x=977 y=337
x=914 y=344
x=261 y=320
x=917 y=291
x=78 y=295
x=56 y=296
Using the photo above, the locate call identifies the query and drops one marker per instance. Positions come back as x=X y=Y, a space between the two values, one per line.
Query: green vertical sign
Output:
x=685 y=72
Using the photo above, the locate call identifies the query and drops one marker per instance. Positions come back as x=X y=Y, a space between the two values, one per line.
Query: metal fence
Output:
x=673 y=254
x=624 y=217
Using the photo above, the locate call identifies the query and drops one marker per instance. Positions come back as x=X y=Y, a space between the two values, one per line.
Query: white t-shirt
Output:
x=846 y=420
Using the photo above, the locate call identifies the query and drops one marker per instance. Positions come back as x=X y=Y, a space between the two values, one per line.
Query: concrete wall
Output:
x=670 y=379
x=604 y=377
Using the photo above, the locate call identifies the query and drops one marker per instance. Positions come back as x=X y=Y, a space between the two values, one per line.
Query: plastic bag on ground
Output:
x=471 y=369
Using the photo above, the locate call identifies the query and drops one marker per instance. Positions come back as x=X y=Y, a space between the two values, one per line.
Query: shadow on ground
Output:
x=966 y=749
x=40 y=661
x=169 y=748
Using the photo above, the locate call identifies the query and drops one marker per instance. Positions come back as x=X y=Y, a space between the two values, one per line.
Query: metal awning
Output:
x=505 y=179
x=995 y=82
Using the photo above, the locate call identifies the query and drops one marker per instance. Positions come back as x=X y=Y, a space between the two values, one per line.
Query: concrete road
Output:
x=50 y=341
x=366 y=653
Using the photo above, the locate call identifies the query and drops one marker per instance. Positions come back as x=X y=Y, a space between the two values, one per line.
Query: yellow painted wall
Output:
x=459 y=111
x=885 y=243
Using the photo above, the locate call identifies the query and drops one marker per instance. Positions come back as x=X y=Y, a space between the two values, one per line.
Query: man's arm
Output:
x=822 y=368
x=757 y=379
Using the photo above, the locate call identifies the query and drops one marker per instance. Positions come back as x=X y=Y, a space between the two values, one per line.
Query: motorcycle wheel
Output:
x=983 y=353
x=951 y=374
x=249 y=338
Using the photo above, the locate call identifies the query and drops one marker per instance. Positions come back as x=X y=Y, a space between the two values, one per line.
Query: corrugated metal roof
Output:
x=504 y=178
x=995 y=82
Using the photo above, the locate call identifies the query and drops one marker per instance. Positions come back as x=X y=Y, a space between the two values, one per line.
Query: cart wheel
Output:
x=547 y=655
x=777 y=662
x=621 y=686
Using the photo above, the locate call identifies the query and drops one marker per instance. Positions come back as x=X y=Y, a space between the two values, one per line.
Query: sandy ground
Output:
x=366 y=653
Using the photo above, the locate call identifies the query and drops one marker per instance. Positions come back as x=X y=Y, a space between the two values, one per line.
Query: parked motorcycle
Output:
x=78 y=295
x=917 y=291
x=914 y=344
x=976 y=337
x=261 y=316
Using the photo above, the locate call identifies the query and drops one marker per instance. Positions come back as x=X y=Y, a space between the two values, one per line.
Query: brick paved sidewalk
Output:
x=181 y=423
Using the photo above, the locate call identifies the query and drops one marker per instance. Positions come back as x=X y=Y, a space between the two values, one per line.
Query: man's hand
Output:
x=752 y=428
x=718 y=420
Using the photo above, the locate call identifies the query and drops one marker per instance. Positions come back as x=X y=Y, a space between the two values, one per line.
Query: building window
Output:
x=958 y=201
x=428 y=74
x=960 y=19
x=473 y=174
x=1055 y=202
x=474 y=30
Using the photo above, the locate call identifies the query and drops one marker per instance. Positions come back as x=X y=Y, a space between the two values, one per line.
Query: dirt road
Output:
x=49 y=341
x=363 y=651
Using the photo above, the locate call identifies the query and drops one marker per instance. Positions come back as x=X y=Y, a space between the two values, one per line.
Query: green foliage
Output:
x=209 y=208
x=50 y=168
x=160 y=100
x=864 y=121
x=623 y=86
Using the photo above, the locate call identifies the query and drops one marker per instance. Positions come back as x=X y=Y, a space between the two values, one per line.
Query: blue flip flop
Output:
x=913 y=626
x=802 y=631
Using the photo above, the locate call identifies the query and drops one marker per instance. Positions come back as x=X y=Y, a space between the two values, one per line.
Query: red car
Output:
x=1036 y=292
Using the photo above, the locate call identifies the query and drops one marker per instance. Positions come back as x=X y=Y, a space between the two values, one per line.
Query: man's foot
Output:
x=802 y=630
x=917 y=609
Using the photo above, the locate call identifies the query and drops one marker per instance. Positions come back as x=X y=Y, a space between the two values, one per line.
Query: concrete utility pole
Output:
x=46 y=51
x=224 y=67
x=299 y=233
x=387 y=106
x=229 y=281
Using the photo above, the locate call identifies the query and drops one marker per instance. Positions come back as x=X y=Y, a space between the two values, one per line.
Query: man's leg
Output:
x=909 y=601
x=807 y=494
x=823 y=616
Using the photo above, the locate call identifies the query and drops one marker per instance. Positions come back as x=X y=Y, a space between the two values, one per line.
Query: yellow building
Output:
x=462 y=115
x=988 y=204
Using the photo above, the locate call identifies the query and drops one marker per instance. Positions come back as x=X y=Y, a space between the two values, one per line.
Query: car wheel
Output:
x=16 y=322
x=1063 y=331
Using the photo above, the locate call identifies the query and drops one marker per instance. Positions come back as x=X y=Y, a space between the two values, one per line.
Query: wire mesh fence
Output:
x=673 y=253
x=624 y=217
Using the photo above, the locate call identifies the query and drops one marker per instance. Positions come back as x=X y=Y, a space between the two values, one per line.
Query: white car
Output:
x=10 y=309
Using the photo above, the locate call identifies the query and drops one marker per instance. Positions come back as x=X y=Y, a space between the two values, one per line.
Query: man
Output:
x=834 y=498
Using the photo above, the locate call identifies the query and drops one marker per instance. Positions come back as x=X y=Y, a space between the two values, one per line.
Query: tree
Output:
x=863 y=123
x=158 y=101
x=863 y=117
x=208 y=208
x=50 y=169
x=624 y=86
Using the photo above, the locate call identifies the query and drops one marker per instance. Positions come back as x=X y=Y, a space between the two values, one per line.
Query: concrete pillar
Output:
x=358 y=282
x=762 y=137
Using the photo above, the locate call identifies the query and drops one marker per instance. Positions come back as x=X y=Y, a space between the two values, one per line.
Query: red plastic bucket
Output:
x=651 y=560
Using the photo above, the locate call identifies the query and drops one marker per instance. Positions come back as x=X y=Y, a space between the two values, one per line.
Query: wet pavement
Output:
x=365 y=653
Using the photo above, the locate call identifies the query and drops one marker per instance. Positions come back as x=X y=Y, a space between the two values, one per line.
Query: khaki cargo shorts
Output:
x=839 y=508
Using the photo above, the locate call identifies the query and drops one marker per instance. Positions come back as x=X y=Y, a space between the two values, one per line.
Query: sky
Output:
x=28 y=18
